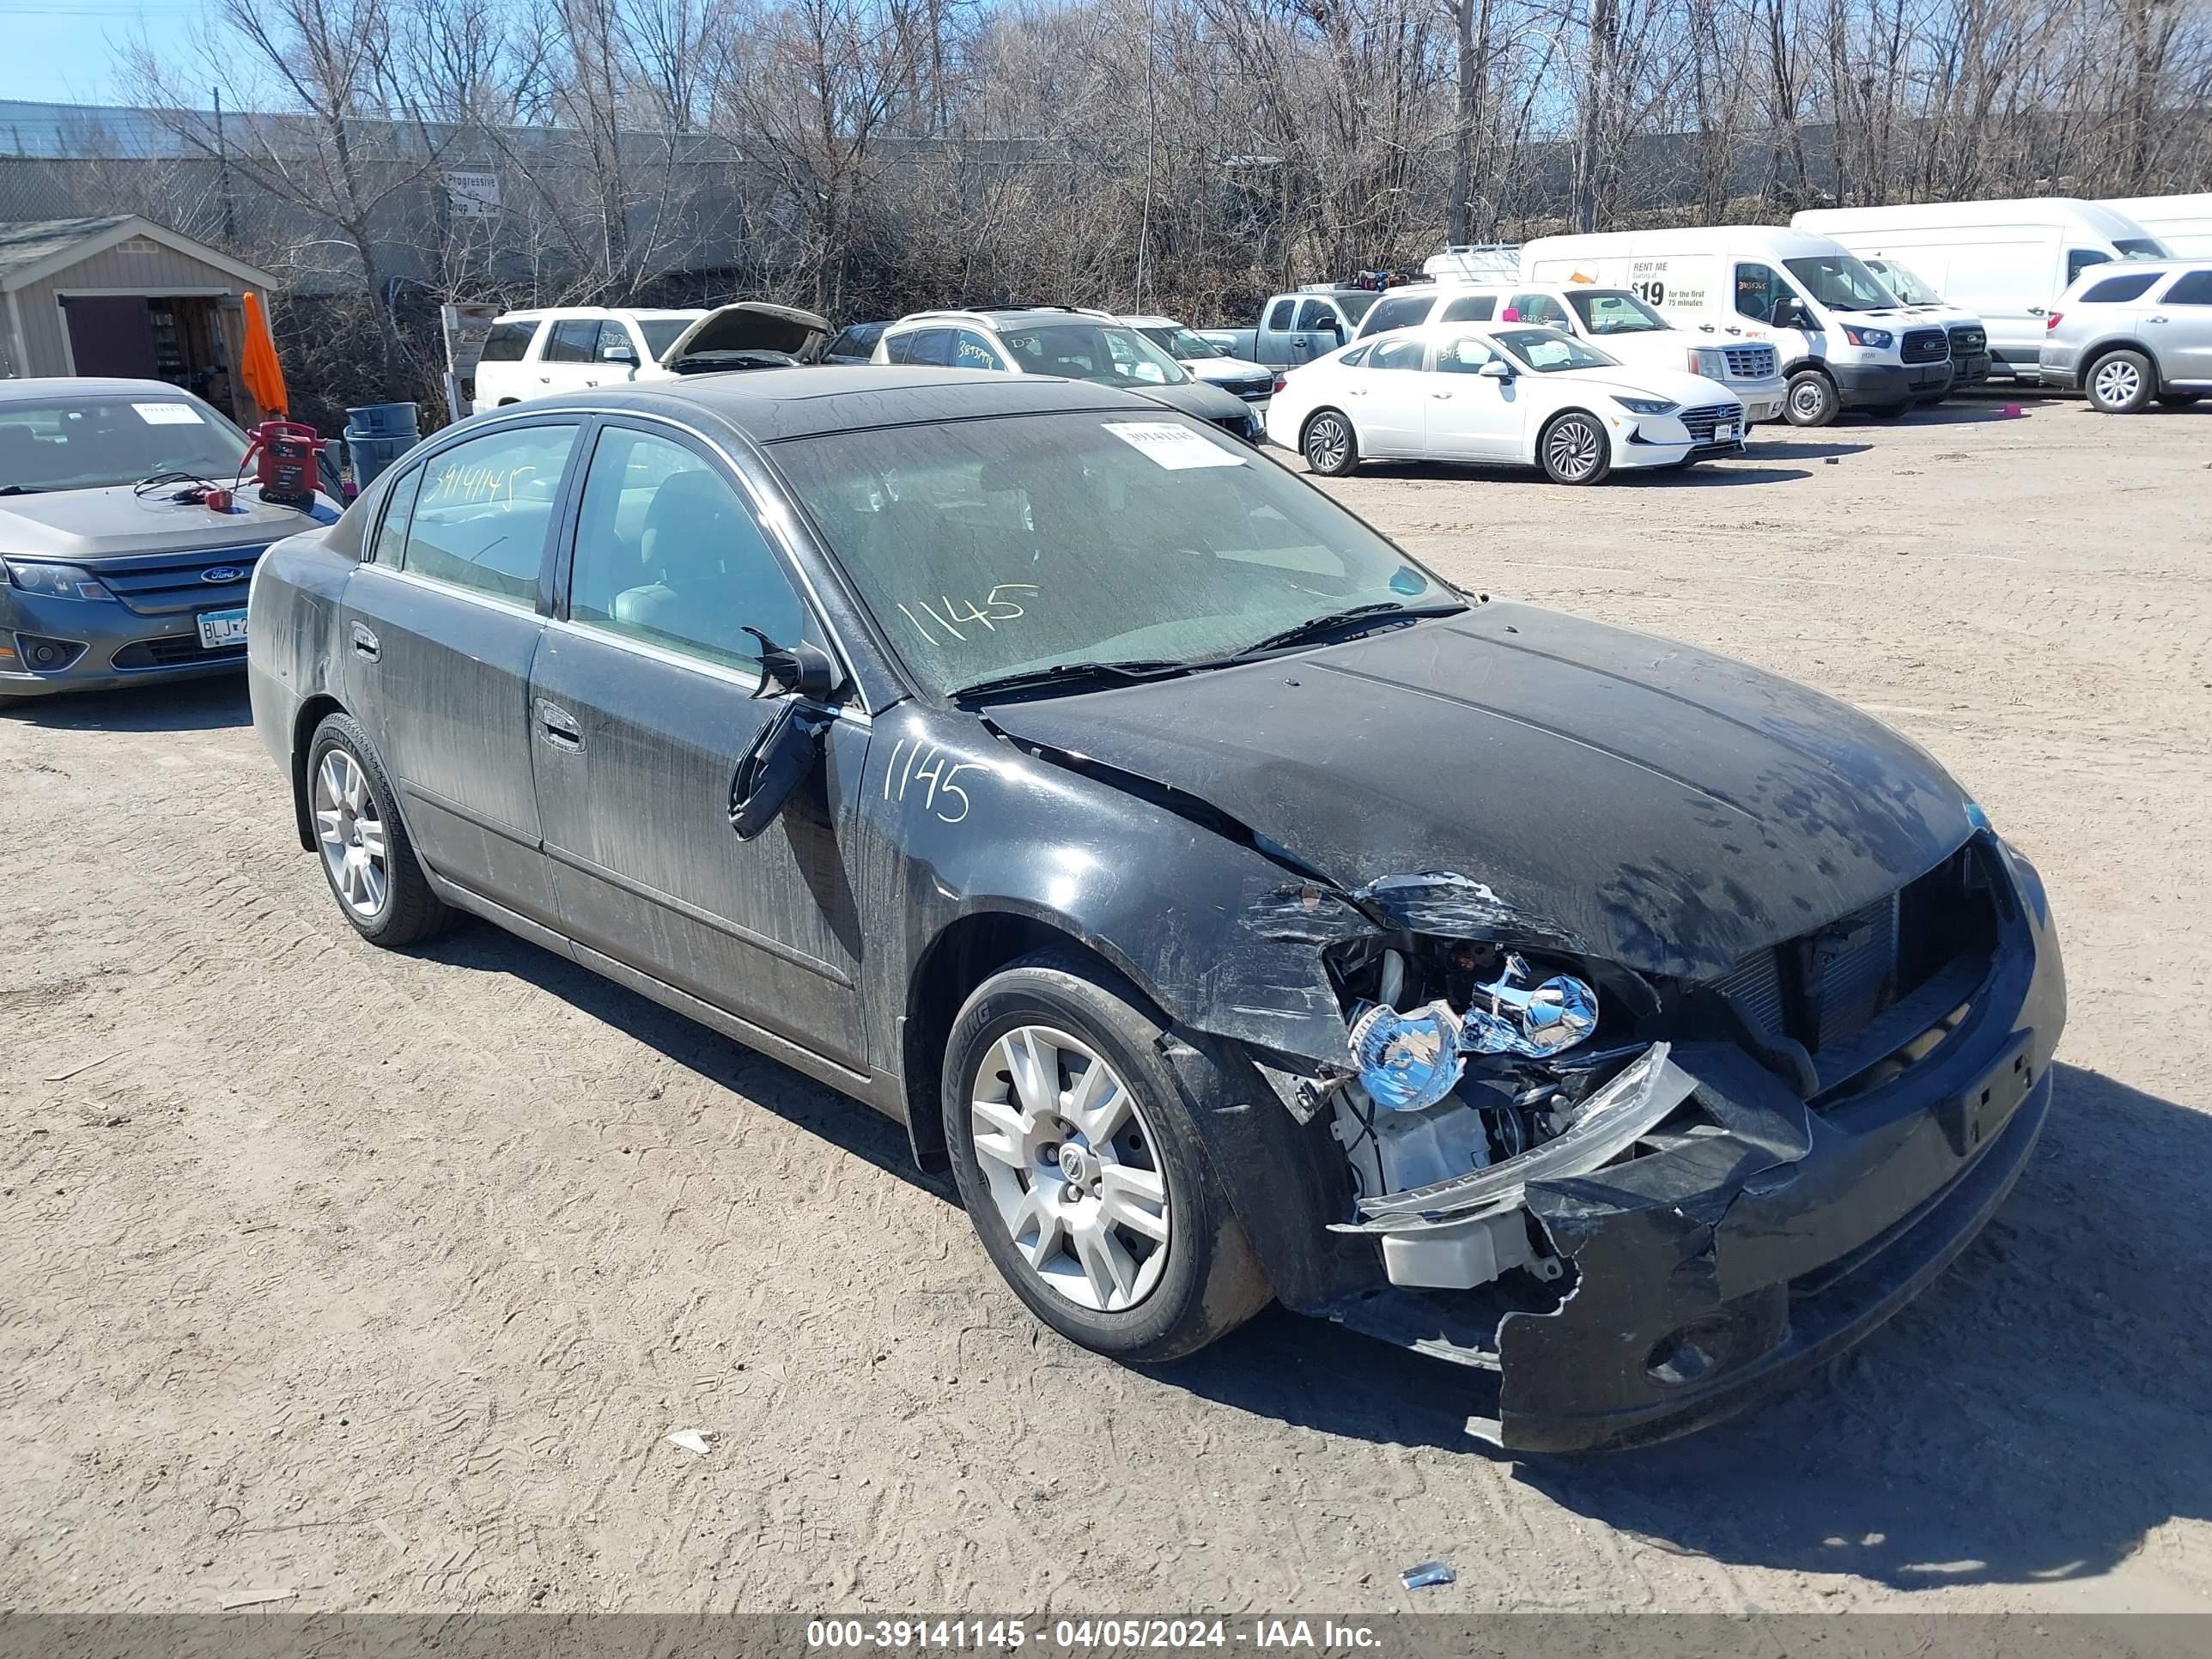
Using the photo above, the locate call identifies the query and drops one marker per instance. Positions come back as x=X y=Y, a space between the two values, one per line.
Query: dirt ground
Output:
x=377 y=1280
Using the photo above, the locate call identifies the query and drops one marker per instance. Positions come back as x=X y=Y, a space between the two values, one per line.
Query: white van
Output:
x=2183 y=224
x=1612 y=319
x=2007 y=261
x=1843 y=340
x=1970 y=336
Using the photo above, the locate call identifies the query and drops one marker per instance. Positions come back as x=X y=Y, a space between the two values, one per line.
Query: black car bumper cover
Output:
x=1712 y=1273
x=1875 y=385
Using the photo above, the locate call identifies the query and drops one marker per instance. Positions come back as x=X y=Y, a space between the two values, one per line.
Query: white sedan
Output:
x=1531 y=396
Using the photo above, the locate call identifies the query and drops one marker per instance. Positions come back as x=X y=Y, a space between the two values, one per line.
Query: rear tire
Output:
x=1575 y=449
x=1080 y=1168
x=1811 y=399
x=1329 y=444
x=366 y=858
x=2121 y=382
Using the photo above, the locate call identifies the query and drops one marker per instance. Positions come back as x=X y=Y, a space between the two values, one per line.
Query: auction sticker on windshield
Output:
x=1177 y=448
x=168 y=414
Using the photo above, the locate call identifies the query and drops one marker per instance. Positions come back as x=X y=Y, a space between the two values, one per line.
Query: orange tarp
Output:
x=257 y=365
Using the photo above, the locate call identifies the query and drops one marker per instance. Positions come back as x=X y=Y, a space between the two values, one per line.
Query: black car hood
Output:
x=1199 y=400
x=1640 y=800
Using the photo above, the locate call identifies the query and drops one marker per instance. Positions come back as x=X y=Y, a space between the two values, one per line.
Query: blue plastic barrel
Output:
x=372 y=455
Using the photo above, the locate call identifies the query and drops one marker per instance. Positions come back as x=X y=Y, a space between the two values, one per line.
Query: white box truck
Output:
x=1844 y=341
x=2006 y=261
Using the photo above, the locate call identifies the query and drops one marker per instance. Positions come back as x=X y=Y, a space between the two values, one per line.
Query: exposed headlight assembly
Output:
x=55 y=581
x=1408 y=1061
x=1646 y=405
x=1880 y=338
x=1510 y=1016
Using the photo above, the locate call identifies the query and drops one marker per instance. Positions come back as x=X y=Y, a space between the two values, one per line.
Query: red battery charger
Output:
x=283 y=457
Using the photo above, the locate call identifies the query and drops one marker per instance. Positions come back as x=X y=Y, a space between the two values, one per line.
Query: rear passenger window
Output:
x=507 y=342
x=1474 y=308
x=667 y=551
x=2195 y=288
x=576 y=340
x=485 y=508
x=2119 y=290
x=1397 y=354
x=1407 y=311
x=1280 y=315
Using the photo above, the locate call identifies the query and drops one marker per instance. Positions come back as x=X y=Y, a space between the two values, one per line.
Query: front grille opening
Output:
x=182 y=651
x=1826 y=987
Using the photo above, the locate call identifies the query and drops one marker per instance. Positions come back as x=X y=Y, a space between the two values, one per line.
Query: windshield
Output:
x=1613 y=310
x=994 y=547
x=1548 y=351
x=1899 y=280
x=1108 y=354
x=1355 y=303
x=1182 y=345
x=1840 y=282
x=2140 y=247
x=86 y=443
x=662 y=332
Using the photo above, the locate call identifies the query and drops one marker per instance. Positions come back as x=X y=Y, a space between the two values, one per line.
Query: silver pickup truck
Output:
x=1297 y=328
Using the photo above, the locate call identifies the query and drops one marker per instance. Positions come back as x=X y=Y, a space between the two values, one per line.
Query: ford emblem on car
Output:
x=222 y=572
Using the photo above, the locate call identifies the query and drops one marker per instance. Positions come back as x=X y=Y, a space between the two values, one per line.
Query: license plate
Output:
x=220 y=627
x=1724 y=432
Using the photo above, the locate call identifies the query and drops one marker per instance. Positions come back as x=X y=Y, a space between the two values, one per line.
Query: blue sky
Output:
x=69 y=51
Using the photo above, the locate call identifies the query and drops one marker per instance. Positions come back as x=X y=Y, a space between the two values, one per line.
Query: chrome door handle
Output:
x=1441 y=397
x=2155 y=320
x=2035 y=311
x=558 y=726
x=364 y=642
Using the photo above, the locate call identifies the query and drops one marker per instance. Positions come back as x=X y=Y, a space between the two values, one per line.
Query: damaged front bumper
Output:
x=1754 y=1235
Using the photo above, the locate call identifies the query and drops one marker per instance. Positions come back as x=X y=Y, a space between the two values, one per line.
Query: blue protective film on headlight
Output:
x=1407 y=1061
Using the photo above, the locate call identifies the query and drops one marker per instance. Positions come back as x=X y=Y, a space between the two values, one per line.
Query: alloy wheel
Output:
x=2119 y=382
x=1072 y=1167
x=349 y=828
x=1327 y=442
x=1571 y=449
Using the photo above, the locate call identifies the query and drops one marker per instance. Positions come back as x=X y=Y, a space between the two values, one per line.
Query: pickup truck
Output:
x=1297 y=328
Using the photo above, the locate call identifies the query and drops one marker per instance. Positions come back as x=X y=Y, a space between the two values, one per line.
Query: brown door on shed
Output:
x=112 y=335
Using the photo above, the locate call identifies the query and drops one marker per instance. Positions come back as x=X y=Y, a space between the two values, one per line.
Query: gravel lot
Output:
x=378 y=1279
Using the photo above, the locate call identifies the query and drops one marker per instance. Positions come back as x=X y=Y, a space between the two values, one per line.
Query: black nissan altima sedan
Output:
x=1241 y=911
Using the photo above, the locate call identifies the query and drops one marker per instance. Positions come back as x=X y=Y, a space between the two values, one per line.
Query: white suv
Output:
x=543 y=353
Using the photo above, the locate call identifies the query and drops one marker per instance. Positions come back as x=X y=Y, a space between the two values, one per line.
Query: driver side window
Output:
x=1318 y=317
x=667 y=551
x=1758 y=290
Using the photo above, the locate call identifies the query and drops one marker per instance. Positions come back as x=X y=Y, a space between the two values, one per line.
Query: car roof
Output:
x=45 y=388
x=1006 y=316
x=540 y=314
x=769 y=405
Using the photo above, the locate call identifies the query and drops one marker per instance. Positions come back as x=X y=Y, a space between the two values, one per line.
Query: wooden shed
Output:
x=121 y=295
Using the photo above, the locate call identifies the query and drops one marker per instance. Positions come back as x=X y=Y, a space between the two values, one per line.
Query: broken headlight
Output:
x=1407 y=1061
x=1511 y=1016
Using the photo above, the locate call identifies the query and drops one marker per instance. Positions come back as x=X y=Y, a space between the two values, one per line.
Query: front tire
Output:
x=366 y=855
x=2121 y=382
x=1811 y=399
x=1574 y=450
x=1080 y=1168
x=1329 y=444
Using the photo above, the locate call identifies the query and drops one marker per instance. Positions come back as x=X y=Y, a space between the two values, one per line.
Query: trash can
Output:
x=378 y=434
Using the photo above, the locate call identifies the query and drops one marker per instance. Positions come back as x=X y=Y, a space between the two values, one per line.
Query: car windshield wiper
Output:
x=1320 y=627
x=1069 y=676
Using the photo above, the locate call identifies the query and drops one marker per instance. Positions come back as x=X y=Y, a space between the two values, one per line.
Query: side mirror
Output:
x=781 y=758
x=804 y=668
x=1496 y=369
x=617 y=354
